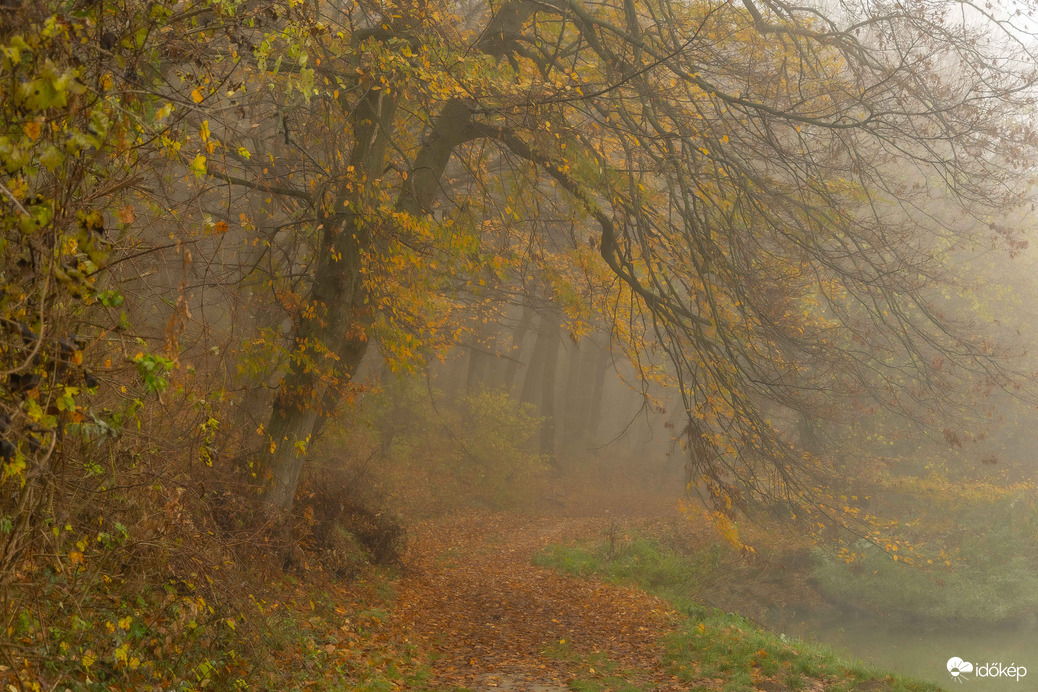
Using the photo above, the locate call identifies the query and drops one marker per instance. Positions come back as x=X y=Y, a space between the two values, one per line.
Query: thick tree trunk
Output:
x=338 y=322
x=333 y=319
x=585 y=393
x=337 y=317
x=539 y=383
x=342 y=324
x=576 y=399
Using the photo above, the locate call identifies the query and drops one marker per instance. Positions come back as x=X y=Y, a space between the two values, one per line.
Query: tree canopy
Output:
x=772 y=191
x=759 y=199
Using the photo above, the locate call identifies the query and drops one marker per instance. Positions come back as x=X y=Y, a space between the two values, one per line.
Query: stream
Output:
x=923 y=653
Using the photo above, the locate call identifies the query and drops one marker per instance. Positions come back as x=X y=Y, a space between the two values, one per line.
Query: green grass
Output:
x=711 y=649
x=642 y=561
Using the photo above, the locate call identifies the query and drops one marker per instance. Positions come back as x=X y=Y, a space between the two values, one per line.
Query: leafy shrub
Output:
x=496 y=438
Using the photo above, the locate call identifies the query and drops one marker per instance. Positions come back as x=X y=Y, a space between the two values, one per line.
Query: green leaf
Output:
x=51 y=158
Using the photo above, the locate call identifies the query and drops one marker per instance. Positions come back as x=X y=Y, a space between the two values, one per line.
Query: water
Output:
x=923 y=653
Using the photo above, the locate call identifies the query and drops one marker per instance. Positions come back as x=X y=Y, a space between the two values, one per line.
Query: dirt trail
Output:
x=492 y=620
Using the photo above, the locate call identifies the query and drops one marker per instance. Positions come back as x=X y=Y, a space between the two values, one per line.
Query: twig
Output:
x=14 y=200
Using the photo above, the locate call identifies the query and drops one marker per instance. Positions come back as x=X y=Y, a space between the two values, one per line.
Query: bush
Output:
x=496 y=438
x=348 y=528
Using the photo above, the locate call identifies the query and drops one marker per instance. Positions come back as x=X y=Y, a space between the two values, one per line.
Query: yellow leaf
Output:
x=198 y=166
x=196 y=96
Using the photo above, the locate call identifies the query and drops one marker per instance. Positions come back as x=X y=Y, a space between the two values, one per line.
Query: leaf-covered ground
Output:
x=492 y=619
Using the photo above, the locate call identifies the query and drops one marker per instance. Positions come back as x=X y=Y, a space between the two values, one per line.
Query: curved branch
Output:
x=257 y=185
x=609 y=246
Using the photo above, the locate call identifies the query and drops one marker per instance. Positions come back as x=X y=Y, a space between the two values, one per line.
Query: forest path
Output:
x=492 y=620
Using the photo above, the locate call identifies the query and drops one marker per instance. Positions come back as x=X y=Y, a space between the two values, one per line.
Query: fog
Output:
x=408 y=344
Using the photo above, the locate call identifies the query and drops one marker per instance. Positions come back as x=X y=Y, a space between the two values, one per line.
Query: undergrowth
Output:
x=431 y=458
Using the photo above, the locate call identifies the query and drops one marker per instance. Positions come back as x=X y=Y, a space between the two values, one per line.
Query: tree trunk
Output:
x=548 y=375
x=338 y=317
x=594 y=414
x=572 y=409
x=532 y=381
x=333 y=317
x=478 y=362
x=507 y=377
x=338 y=322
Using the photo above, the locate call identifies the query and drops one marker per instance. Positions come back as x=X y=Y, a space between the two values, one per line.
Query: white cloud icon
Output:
x=957 y=666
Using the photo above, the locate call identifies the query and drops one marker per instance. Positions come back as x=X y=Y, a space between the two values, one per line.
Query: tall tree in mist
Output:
x=772 y=187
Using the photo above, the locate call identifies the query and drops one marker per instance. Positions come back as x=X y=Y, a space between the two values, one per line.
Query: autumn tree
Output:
x=771 y=186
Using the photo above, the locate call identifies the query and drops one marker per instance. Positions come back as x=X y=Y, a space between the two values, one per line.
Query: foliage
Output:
x=324 y=636
x=128 y=552
x=165 y=636
x=975 y=591
x=350 y=529
x=93 y=574
x=209 y=211
x=746 y=193
x=497 y=442
x=981 y=575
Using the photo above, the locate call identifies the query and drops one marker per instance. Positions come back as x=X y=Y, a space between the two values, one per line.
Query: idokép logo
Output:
x=958 y=669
